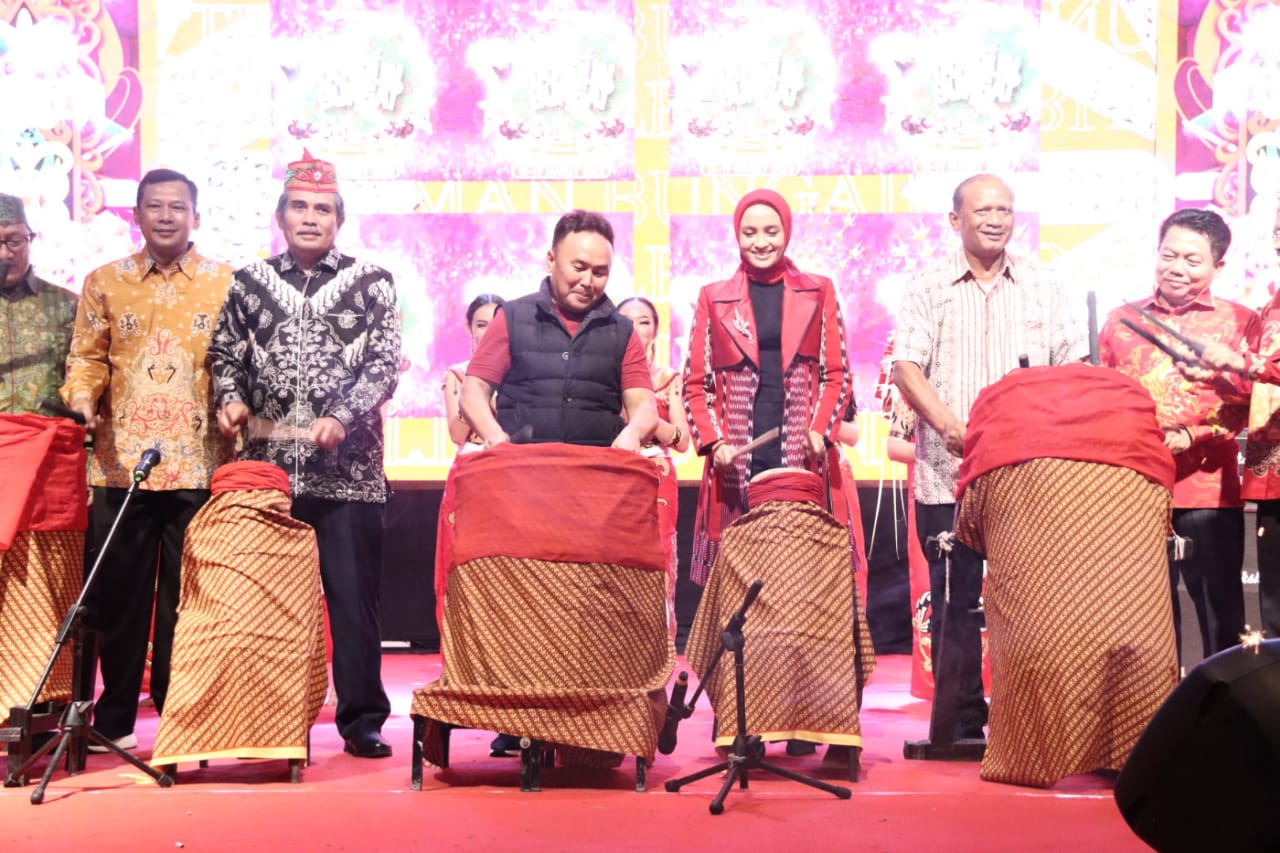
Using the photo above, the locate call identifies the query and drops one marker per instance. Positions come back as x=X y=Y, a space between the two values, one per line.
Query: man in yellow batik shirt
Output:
x=137 y=373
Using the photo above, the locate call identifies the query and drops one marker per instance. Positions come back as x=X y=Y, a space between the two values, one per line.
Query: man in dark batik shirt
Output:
x=306 y=351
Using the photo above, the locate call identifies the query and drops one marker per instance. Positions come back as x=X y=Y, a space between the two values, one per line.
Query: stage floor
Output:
x=349 y=803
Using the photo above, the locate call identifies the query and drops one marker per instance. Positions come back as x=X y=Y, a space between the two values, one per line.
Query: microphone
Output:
x=150 y=459
x=4 y=270
x=675 y=713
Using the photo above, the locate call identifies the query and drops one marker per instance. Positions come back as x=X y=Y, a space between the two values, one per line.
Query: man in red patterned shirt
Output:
x=1200 y=419
x=1262 y=453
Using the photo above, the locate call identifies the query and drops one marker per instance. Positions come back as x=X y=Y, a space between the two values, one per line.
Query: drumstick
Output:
x=53 y=407
x=759 y=441
x=1196 y=348
x=263 y=429
x=1154 y=341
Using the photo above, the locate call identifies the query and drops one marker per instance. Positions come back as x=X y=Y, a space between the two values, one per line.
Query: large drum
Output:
x=553 y=607
x=807 y=648
x=248 y=671
x=43 y=516
x=1071 y=506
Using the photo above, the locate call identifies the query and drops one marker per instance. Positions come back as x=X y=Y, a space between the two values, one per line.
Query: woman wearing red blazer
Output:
x=766 y=350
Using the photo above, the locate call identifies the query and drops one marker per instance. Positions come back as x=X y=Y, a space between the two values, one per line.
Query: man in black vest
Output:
x=564 y=364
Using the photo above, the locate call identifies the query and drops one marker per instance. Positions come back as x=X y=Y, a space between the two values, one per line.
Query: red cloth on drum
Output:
x=787 y=485
x=1110 y=419
x=1078 y=614
x=248 y=674
x=1071 y=508
x=42 y=520
x=40 y=577
x=249 y=475
x=43 y=460
x=554 y=617
x=589 y=520
x=808 y=649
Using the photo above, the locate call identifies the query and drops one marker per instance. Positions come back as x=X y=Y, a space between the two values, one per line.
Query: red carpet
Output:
x=345 y=803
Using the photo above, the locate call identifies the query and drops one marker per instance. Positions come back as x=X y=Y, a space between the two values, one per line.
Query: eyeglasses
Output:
x=17 y=244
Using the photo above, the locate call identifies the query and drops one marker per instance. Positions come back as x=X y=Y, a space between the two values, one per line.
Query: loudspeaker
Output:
x=1205 y=774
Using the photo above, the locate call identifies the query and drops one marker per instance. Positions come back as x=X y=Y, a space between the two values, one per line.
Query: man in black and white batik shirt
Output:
x=306 y=351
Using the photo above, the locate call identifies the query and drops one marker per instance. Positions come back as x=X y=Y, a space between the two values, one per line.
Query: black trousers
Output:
x=349 y=537
x=1212 y=575
x=1268 y=519
x=966 y=589
x=141 y=574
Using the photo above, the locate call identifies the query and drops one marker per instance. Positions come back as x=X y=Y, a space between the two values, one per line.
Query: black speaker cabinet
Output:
x=1205 y=775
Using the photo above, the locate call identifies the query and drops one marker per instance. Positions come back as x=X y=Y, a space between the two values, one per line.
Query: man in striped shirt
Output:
x=965 y=323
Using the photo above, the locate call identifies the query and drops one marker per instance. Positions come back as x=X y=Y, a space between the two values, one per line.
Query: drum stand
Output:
x=942 y=744
x=747 y=750
x=74 y=728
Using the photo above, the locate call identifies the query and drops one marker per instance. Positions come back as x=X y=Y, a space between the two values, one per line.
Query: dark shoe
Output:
x=801 y=747
x=367 y=746
x=503 y=746
x=969 y=732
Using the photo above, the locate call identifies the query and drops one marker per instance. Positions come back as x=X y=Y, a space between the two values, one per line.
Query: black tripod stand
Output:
x=746 y=752
x=74 y=728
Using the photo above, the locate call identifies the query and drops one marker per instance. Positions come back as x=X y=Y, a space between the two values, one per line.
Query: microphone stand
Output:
x=74 y=727
x=746 y=752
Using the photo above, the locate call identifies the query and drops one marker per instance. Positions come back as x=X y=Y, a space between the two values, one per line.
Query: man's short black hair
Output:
x=576 y=221
x=166 y=176
x=1204 y=222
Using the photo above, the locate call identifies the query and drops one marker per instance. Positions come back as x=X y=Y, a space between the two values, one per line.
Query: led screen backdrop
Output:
x=461 y=129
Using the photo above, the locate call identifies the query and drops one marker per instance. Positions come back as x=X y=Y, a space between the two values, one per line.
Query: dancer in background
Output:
x=672 y=433
x=479 y=315
x=845 y=505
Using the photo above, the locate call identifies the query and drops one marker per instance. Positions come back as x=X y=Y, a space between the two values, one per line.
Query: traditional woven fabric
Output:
x=248 y=673
x=537 y=639
x=40 y=577
x=808 y=651
x=1111 y=419
x=575 y=654
x=1078 y=613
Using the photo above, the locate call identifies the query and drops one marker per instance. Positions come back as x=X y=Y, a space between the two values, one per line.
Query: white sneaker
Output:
x=129 y=741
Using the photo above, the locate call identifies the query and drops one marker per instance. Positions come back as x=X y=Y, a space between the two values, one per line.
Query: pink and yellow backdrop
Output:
x=462 y=128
